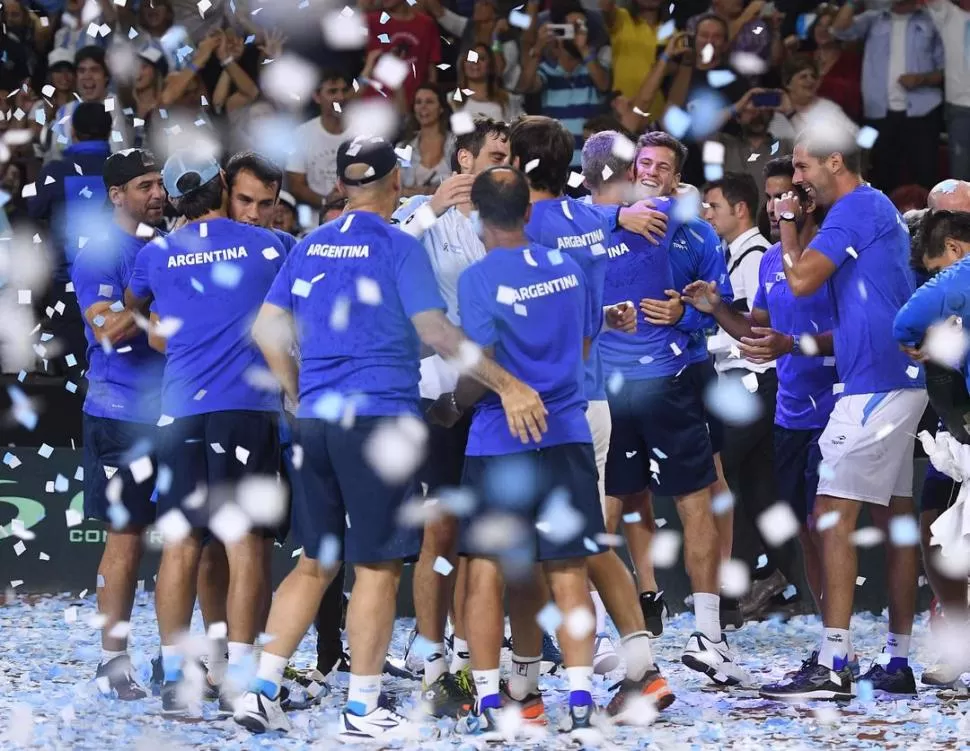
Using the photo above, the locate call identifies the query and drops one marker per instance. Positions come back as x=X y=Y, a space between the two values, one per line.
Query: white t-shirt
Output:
x=897 y=62
x=953 y=25
x=316 y=156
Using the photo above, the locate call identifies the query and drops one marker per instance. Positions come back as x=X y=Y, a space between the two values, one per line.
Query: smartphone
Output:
x=767 y=99
x=689 y=41
x=562 y=30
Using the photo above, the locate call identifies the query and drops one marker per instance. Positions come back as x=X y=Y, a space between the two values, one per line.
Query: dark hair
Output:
x=833 y=139
x=201 y=199
x=547 y=141
x=494 y=90
x=938 y=226
x=658 y=138
x=562 y=8
x=737 y=187
x=795 y=65
x=335 y=74
x=713 y=17
x=914 y=222
x=780 y=166
x=501 y=197
x=91 y=122
x=474 y=140
x=94 y=53
x=265 y=170
x=412 y=128
x=603 y=122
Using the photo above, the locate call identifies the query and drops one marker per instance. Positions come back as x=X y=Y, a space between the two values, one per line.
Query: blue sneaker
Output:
x=551 y=656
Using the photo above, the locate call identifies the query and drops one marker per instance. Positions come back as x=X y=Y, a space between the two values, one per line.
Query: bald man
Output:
x=950 y=195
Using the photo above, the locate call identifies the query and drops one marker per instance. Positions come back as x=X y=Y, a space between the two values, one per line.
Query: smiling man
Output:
x=254 y=192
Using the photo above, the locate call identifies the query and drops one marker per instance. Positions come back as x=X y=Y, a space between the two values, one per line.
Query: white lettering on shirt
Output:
x=546 y=288
x=206 y=256
x=581 y=241
x=339 y=251
x=618 y=250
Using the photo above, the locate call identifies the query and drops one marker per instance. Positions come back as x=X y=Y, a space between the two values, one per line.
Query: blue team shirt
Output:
x=286 y=239
x=636 y=270
x=868 y=241
x=582 y=232
x=353 y=286
x=944 y=295
x=211 y=276
x=805 y=384
x=124 y=383
x=534 y=305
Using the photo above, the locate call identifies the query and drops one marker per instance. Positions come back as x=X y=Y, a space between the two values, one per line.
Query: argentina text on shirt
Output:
x=339 y=251
x=551 y=287
x=581 y=241
x=207 y=256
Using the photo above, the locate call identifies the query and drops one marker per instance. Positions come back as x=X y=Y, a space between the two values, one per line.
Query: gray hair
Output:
x=601 y=165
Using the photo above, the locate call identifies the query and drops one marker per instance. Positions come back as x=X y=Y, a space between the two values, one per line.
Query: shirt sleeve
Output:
x=140 y=282
x=708 y=266
x=416 y=283
x=95 y=281
x=838 y=240
x=474 y=306
x=859 y=27
x=280 y=290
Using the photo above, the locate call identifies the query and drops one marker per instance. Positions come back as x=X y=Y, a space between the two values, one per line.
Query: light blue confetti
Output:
x=329 y=553
x=549 y=618
x=226 y=274
x=867 y=137
x=383 y=39
x=10 y=460
x=632 y=518
x=98 y=320
x=554 y=256
x=117 y=306
x=903 y=531
x=774 y=148
x=197 y=285
x=720 y=78
x=559 y=522
x=676 y=121
x=118 y=515
x=329 y=407
x=163 y=481
x=615 y=382
x=762 y=561
x=713 y=172
x=591 y=545
x=864 y=691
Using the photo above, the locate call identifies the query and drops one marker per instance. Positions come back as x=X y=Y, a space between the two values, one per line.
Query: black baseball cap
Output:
x=373 y=151
x=127 y=165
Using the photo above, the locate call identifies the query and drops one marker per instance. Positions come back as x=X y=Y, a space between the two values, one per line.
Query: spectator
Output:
x=801 y=105
x=754 y=147
x=285 y=216
x=311 y=171
x=572 y=77
x=12 y=182
x=61 y=75
x=26 y=27
x=146 y=90
x=633 y=42
x=429 y=140
x=201 y=24
x=235 y=88
x=634 y=120
x=73 y=35
x=92 y=86
x=14 y=68
x=839 y=65
x=952 y=22
x=902 y=70
x=70 y=192
x=909 y=198
x=155 y=18
x=748 y=31
x=477 y=73
x=411 y=36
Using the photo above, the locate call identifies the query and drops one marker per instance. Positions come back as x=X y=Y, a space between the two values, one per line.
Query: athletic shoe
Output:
x=480 y=723
x=173 y=701
x=383 y=724
x=891 y=685
x=413 y=662
x=532 y=708
x=942 y=674
x=813 y=682
x=158 y=676
x=715 y=659
x=653 y=606
x=605 y=659
x=114 y=678
x=228 y=699
x=852 y=664
x=762 y=590
x=258 y=713
x=302 y=689
x=731 y=618
x=551 y=656
x=448 y=697
x=653 y=687
x=578 y=723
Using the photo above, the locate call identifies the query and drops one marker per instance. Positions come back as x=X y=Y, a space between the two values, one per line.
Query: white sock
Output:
x=435 y=665
x=850 y=654
x=897 y=645
x=270 y=672
x=580 y=679
x=638 y=655
x=707 y=615
x=524 y=679
x=218 y=659
x=459 y=655
x=239 y=652
x=363 y=693
x=600 y=611
x=171 y=662
x=486 y=682
x=107 y=655
x=835 y=644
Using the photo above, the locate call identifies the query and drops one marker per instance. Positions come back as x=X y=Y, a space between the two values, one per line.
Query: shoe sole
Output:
x=251 y=724
x=809 y=696
x=606 y=665
x=721 y=679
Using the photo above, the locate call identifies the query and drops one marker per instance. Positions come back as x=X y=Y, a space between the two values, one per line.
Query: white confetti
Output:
x=396 y=448
x=778 y=524
x=242 y=455
x=442 y=566
x=665 y=549
x=368 y=291
x=867 y=537
x=735 y=578
x=580 y=622
x=549 y=618
x=229 y=524
x=141 y=469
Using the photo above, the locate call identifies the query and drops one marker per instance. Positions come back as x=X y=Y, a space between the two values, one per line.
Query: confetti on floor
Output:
x=48 y=698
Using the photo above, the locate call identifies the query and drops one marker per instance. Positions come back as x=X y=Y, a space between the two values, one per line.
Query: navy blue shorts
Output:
x=344 y=499
x=201 y=451
x=660 y=439
x=797 y=457
x=518 y=486
x=445 y=460
x=110 y=446
x=702 y=374
x=939 y=491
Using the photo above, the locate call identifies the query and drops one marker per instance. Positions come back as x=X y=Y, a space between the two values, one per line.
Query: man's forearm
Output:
x=825 y=343
x=791 y=253
x=284 y=367
x=733 y=321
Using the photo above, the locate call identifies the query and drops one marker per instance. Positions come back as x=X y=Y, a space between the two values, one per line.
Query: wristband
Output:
x=664 y=57
x=193 y=67
x=228 y=61
x=796 y=347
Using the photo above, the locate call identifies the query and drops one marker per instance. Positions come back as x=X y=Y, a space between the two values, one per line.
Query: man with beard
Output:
x=122 y=403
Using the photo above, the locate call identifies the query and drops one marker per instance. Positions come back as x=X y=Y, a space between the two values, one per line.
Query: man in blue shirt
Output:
x=533 y=307
x=862 y=253
x=70 y=204
x=659 y=439
x=795 y=331
x=254 y=190
x=364 y=298
x=219 y=428
x=695 y=253
x=122 y=404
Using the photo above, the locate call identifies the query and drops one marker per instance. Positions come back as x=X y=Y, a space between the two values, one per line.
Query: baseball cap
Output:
x=60 y=56
x=373 y=151
x=287 y=199
x=126 y=165
x=191 y=169
x=156 y=58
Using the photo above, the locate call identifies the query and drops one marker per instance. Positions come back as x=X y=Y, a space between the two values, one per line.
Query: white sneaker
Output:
x=382 y=724
x=941 y=674
x=715 y=659
x=605 y=659
x=258 y=714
